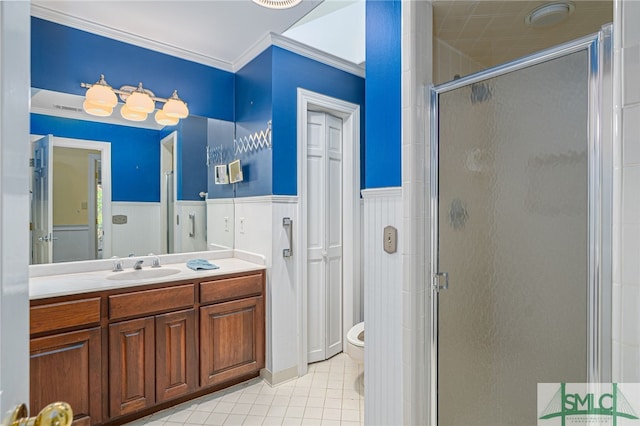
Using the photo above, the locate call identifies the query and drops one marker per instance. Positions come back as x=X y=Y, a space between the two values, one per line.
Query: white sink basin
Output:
x=142 y=274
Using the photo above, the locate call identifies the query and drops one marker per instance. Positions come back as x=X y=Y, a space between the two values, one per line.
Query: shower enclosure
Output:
x=520 y=199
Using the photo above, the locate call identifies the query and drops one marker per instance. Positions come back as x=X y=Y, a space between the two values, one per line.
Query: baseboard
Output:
x=279 y=377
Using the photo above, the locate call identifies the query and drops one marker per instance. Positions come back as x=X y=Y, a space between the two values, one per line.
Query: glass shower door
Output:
x=513 y=236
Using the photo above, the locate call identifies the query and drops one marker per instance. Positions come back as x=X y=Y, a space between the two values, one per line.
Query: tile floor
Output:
x=332 y=393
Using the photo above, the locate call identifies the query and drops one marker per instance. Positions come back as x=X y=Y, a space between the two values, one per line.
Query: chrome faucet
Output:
x=155 y=262
x=138 y=264
x=117 y=264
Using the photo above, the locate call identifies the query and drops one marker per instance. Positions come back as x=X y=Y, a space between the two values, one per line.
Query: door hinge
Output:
x=440 y=281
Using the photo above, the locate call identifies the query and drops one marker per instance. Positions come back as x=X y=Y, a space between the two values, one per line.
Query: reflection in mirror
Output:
x=220 y=196
x=148 y=196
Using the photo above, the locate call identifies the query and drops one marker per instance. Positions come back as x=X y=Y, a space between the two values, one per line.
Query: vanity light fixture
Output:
x=162 y=118
x=101 y=98
x=132 y=115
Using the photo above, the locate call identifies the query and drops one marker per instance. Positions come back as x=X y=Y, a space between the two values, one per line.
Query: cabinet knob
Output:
x=54 y=414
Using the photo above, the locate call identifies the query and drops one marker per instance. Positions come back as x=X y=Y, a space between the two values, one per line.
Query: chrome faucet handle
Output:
x=155 y=263
x=117 y=264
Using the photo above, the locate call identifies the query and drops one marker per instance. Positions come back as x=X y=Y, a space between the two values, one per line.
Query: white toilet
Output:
x=355 y=343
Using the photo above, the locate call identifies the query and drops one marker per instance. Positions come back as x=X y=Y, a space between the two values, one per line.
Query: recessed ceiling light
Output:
x=549 y=14
x=277 y=4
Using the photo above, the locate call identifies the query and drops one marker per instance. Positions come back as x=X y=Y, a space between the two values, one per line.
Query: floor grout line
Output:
x=332 y=392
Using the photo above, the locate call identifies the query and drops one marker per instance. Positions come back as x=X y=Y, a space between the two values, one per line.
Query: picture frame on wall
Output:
x=235 y=171
x=221 y=176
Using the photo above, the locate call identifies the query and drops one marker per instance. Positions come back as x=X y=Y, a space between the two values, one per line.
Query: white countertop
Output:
x=64 y=284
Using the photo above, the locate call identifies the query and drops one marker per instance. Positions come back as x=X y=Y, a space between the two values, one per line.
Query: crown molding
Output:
x=42 y=12
x=301 y=49
x=268 y=40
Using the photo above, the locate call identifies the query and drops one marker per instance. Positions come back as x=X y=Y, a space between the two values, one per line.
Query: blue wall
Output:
x=192 y=169
x=220 y=135
x=291 y=71
x=135 y=153
x=63 y=57
x=383 y=101
x=265 y=89
x=254 y=100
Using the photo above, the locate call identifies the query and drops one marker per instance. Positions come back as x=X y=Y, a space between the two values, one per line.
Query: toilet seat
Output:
x=355 y=336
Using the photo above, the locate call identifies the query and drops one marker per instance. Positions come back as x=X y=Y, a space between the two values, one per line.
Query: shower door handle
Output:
x=440 y=281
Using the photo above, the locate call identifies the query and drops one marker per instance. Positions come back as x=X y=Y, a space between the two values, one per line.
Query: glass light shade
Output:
x=175 y=107
x=277 y=4
x=140 y=102
x=99 y=94
x=164 y=119
x=96 y=109
x=131 y=115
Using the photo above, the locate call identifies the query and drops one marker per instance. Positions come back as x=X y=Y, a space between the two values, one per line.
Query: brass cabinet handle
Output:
x=54 y=414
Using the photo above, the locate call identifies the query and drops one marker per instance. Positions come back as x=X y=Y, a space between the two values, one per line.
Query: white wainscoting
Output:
x=71 y=243
x=198 y=241
x=284 y=291
x=140 y=235
x=220 y=223
x=382 y=309
x=252 y=217
x=258 y=229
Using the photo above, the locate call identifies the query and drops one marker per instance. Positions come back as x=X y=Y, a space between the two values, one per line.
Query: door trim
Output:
x=92 y=204
x=350 y=114
x=171 y=140
x=105 y=155
x=600 y=192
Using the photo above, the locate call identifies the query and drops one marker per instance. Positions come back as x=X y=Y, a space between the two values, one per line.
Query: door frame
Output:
x=600 y=151
x=105 y=159
x=351 y=303
x=92 y=203
x=170 y=140
x=14 y=204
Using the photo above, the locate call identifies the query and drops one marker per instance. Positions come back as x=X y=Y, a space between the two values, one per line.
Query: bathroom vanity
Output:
x=120 y=348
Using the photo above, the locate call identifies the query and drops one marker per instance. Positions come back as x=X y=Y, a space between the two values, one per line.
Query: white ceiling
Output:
x=492 y=32
x=214 y=32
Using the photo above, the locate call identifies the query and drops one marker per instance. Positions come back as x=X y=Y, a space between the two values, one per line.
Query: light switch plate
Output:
x=390 y=239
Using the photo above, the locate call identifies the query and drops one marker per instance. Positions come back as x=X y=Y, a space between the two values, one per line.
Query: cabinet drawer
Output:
x=230 y=288
x=59 y=316
x=146 y=302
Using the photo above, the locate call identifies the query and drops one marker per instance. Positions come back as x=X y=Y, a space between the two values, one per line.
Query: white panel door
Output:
x=41 y=206
x=324 y=236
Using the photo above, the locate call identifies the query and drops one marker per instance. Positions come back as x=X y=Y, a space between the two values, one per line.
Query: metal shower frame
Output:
x=600 y=195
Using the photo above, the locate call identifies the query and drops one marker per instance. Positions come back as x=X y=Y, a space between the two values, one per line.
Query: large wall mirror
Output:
x=104 y=187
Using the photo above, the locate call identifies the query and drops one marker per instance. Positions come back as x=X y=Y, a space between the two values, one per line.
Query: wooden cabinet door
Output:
x=67 y=367
x=176 y=354
x=131 y=366
x=231 y=340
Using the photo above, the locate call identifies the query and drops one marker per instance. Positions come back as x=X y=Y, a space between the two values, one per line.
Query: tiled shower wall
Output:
x=417 y=71
x=626 y=279
x=449 y=62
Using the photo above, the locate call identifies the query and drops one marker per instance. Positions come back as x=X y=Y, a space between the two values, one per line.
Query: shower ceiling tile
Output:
x=500 y=25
